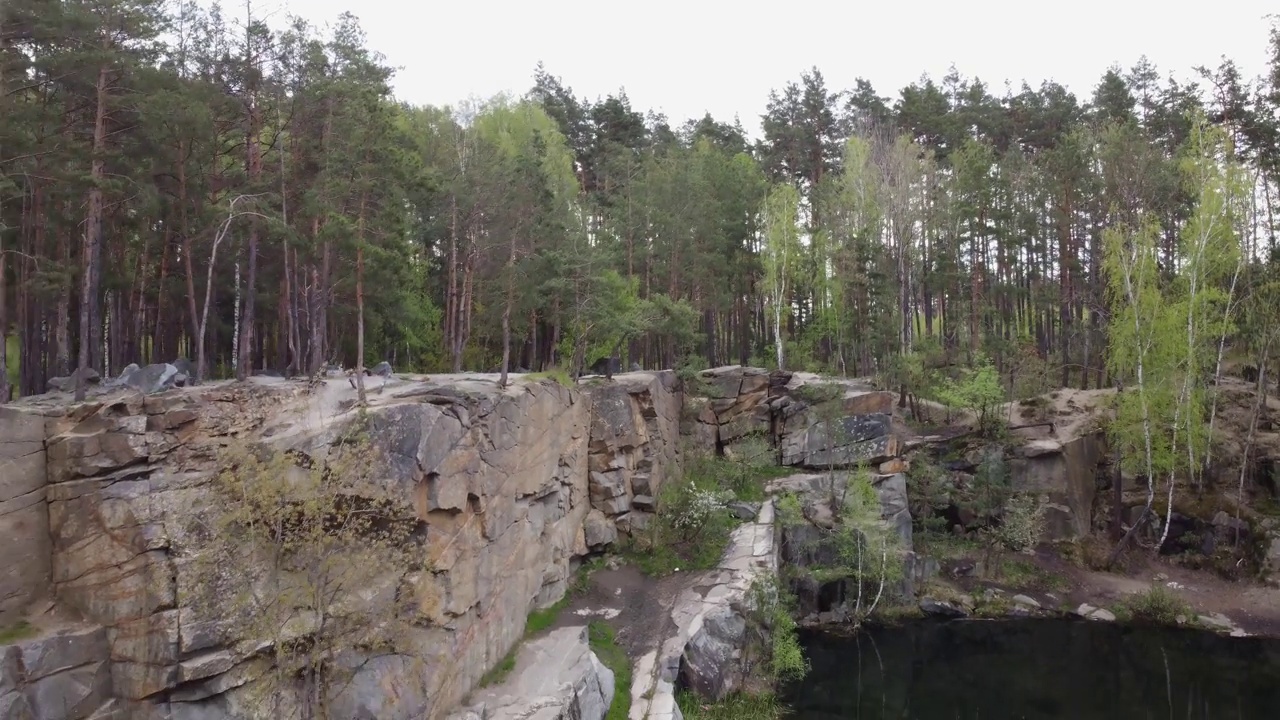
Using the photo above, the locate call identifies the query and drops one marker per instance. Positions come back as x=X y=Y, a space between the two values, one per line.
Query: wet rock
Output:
x=1026 y=601
x=942 y=608
x=744 y=510
x=1095 y=613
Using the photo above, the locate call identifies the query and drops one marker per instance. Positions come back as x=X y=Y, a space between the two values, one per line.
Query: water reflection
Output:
x=1032 y=669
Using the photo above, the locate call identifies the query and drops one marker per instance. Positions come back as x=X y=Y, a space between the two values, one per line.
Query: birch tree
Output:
x=781 y=251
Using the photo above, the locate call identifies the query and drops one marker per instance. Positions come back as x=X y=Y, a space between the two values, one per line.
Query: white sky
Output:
x=688 y=57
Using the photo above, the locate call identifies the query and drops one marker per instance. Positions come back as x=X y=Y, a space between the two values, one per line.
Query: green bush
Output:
x=769 y=610
x=1157 y=606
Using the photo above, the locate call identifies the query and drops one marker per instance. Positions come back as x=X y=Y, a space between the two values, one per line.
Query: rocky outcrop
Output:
x=814 y=422
x=63 y=675
x=633 y=448
x=501 y=481
x=706 y=653
x=24 y=516
x=556 y=677
x=1063 y=472
x=808 y=546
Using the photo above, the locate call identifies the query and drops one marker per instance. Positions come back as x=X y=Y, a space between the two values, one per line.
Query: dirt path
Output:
x=1254 y=608
x=636 y=606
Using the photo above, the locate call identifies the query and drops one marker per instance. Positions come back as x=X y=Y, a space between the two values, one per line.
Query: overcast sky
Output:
x=688 y=57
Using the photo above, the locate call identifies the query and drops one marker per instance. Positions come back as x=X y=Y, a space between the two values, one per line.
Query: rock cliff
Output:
x=103 y=503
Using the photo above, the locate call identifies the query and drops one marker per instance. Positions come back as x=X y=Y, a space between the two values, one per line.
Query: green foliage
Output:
x=555 y=373
x=1157 y=606
x=603 y=643
x=979 y=391
x=744 y=470
x=867 y=550
x=769 y=610
x=689 y=370
x=690 y=530
x=734 y=707
x=818 y=393
x=1167 y=328
x=1021 y=523
x=780 y=257
x=14 y=632
x=287 y=542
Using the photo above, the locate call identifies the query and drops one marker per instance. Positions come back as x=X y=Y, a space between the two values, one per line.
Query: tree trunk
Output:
x=92 y=236
x=360 y=395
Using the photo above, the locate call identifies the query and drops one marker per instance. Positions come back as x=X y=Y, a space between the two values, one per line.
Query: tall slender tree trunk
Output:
x=92 y=235
x=253 y=164
x=360 y=394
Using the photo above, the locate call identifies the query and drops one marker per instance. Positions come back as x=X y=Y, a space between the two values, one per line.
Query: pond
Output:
x=1033 y=669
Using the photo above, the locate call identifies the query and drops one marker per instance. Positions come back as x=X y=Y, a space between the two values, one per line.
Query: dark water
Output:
x=1032 y=669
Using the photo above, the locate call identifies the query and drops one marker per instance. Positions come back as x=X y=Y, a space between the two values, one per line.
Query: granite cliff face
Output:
x=102 y=504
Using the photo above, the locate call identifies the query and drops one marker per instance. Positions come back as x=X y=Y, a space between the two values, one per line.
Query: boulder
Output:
x=152 y=378
x=68 y=383
x=598 y=530
x=556 y=677
x=1066 y=477
x=711 y=662
x=942 y=608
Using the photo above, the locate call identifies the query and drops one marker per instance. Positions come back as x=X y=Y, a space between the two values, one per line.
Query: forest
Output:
x=181 y=182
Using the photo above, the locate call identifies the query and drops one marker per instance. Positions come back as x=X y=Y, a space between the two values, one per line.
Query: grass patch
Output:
x=1156 y=606
x=540 y=620
x=1026 y=574
x=605 y=646
x=734 y=707
x=896 y=613
x=500 y=671
x=944 y=545
x=818 y=393
x=20 y=630
x=557 y=374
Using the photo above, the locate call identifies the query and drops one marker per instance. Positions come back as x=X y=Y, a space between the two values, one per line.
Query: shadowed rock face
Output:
x=1065 y=473
x=116 y=489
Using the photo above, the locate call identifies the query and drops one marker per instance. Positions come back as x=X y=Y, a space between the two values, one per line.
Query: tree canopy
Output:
x=181 y=182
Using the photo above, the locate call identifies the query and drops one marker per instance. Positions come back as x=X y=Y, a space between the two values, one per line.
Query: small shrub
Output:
x=555 y=373
x=1022 y=524
x=818 y=393
x=1158 y=606
x=978 y=390
x=689 y=371
x=769 y=611
x=689 y=532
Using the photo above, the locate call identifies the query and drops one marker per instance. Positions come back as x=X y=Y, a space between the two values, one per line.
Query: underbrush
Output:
x=734 y=707
x=1156 y=606
x=694 y=520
